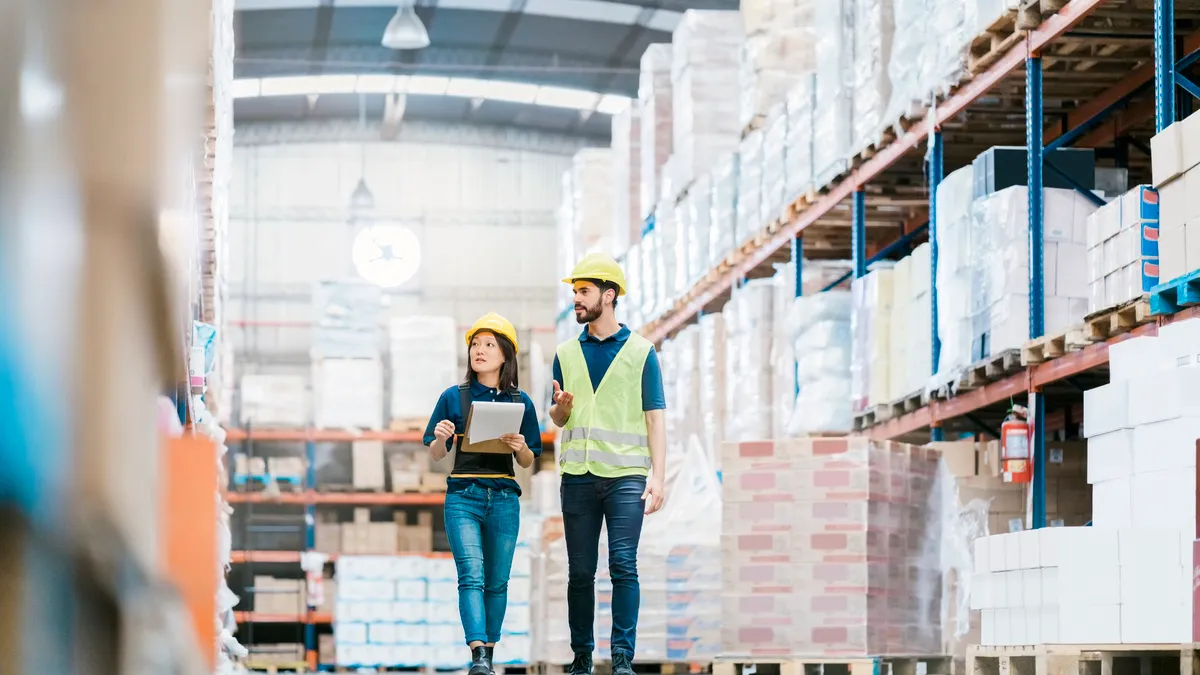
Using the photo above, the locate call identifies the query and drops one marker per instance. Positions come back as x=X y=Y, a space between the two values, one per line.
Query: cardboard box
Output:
x=367 y=464
x=328 y=538
x=961 y=458
x=1166 y=154
x=416 y=538
x=279 y=596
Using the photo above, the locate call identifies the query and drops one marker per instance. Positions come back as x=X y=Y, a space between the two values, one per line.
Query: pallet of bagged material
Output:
x=1049 y=347
x=1122 y=659
x=821 y=665
x=1171 y=296
x=1117 y=320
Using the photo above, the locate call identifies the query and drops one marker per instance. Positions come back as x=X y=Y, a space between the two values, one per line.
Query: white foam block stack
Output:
x=749 y=333
x=679 y=357
x=698 y=207
x=928 y=51
x=783 y=361
x=424 y=352
x=626 y=180
x=670 y=264
x=1001 y=221
x=656 y=117
x=871 y=30
x=1082 y=585
x=910 y=351
x=832 y=130
x=723 y=232
x=774 y=173
x=274 y=400
x=798 y=154
x=1175 y=155
x=871 y=321
x=750 y=217
x=348 y=393
x=820 y=326
x=958 y=260
x=778 y=53
x=1122 y=249
x=706 y=52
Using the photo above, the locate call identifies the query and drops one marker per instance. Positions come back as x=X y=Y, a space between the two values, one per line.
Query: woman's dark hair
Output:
x=606 y=286
x=508 y=371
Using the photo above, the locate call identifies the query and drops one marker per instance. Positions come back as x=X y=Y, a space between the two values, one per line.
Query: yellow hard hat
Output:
x=600 y=267
x=494 y=323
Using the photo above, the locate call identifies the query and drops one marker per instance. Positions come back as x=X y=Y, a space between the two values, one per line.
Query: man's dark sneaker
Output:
x=622 y=663
x=481 y=661
x=582 y=665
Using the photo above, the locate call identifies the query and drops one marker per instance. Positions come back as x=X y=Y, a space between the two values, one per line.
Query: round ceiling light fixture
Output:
x=386 y=255
x=405 y=30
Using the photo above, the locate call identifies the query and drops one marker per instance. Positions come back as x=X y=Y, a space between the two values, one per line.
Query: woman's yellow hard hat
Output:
x=600 y=267
x=494 y=323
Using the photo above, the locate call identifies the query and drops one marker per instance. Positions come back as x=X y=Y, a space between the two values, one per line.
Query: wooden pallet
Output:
x=1117 y=320
x=1171 y=296
x=1053 y=346
x=1131 y=659
x=260 y=667
x=817 y=665
x=883 y=412
x=988 y=370
x=1002 y=35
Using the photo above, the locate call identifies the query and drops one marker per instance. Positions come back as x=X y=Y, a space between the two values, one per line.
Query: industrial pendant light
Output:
x=405 y=30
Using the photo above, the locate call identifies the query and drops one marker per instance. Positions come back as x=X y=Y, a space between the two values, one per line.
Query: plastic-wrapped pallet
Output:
x=274 y=401
x=953 y=27
x=655 y=116
x=914 y=52
x=348 y=393
x=750 y=181
x=820 y=328
x=784 y=547
x=798 y=152
x=424 y=353
x=698 y=205
x=1000 y=317
x=653 y=291
x=568 y=253
x=871 y=30
x=711 y=376
x=632 y=304
x=723 y=232
x=778 y=52
x=680 y=366
x=774 y=179
x=871 y=322
x=591 y=189
x=670 y=255
x=348 y=315
x=783 y=362
x=832 y=131
x=918 y=335
x=959 y=265
x=1122 y=249
x=897 y=345
x=626 y=181
x=749 y=332
x=706 y=51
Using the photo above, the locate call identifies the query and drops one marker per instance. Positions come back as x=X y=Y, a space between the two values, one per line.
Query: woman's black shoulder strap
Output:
x=464 y=399
x=516 y=396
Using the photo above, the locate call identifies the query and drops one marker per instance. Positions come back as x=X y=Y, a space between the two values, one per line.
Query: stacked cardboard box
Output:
x=1122 y=249
x=928 y=48
x=656 y=115
x=274 y=400
x=1082 y=585
x=706 y=51
x=653 y=290
x=626 y=180
x=366 y=465
x=287 y=654
x=424 y=352
x=830 y=547
x=348 y=393
x=1175 y=156
x=911 y=354
x=279 y=596
x=778 y=52
x=871 y=326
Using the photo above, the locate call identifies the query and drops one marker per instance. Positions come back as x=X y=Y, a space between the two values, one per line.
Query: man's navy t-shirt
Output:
x=599 y=355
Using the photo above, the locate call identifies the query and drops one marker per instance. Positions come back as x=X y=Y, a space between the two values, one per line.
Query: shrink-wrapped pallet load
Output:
x=778 y=53
x=626 y=178
x=706 y=50
x=749 y=333
x=655 y=117
x=723 y=230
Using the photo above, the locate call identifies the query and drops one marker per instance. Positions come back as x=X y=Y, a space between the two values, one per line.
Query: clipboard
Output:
x=493 y=446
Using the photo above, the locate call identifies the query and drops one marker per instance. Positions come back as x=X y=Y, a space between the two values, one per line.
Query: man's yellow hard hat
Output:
x=601 y=267
x=494 y=323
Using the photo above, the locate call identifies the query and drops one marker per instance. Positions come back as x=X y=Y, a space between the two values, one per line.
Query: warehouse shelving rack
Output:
x=1106 y=68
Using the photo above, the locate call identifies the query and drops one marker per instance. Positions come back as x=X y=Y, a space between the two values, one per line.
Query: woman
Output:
x=482 y=508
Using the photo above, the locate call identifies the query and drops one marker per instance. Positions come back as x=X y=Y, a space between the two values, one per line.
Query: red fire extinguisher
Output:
x=1014 y=446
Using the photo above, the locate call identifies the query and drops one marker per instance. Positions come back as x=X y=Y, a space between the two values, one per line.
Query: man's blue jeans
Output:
x=616 y=503
x=482 y=526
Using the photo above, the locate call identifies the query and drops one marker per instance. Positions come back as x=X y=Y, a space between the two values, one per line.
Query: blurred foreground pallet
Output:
x=831 y=665
x=1131 y=659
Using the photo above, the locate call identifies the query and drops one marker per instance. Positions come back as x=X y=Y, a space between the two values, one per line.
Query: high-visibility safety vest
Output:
x=606 y=433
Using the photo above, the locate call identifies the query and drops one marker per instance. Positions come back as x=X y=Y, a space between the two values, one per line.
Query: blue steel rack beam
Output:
x=1037 y=289
x=858 y=234
x=1164 y=60
x=935 y=179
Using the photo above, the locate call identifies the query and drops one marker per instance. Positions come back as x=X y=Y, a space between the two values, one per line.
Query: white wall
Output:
x=480 y=201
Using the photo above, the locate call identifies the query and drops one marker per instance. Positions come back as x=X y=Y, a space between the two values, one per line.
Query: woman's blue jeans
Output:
x=482 y=526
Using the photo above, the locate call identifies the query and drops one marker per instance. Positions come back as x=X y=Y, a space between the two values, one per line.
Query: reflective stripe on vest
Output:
x=606 y=433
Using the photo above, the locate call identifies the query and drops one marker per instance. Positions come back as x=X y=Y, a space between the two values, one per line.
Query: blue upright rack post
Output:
x=1037 y=291
x=935 y=178
x=858 y=234
x=310 y=539
x=1164 y=64
x=798 y=264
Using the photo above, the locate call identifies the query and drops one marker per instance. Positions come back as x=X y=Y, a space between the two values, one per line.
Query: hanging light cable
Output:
x=405 y=30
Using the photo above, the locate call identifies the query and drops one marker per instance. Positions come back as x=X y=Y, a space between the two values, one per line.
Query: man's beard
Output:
x=590 y=314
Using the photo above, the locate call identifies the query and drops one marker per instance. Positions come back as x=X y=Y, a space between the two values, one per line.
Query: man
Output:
x=608 y=398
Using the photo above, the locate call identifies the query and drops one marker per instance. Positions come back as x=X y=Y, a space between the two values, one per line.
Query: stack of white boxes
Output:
x=516 y=643
x=652 y=290
x=778 y=52
x=910 y=352
x=347 y=377
x=655 y=117
x=897 y=345
x=706 y=51
x=871 y=327
x=1122 y=249
x=1001 y=310
x=1175 y=154
x=591 y=194
x=1082 y=585
x=348 y=393
x=424 y=353
x=958 y=265
x=626 y=180
x=274 y=400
